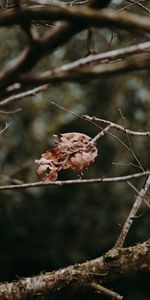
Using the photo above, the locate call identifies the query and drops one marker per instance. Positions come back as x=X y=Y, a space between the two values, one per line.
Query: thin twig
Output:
x=90 y=43
x=102 y=133
x=126 y=164
x=132 y=215
x=105 y=291
x=105 y=130
x=10 y=112
x=138 y=3
x=6 y=126
x=118 y=127
x=129 y=142
x=76 y=181
x=138 y=193
x=22 y=95
x=127 y=6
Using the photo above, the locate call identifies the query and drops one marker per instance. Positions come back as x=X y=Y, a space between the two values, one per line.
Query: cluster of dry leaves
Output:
x=74 y=151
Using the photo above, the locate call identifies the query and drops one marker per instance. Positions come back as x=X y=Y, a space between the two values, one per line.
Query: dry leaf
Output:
x=74 y=151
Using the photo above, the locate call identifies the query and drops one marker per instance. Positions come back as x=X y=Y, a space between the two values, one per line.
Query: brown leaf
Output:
x=74 y=151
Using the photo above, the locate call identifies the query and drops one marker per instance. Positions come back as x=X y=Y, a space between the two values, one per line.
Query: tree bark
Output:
x=115 y=264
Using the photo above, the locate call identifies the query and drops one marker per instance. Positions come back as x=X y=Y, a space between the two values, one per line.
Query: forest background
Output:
x=45 y=228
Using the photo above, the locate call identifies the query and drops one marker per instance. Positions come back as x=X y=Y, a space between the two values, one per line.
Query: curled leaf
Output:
x=74 y=151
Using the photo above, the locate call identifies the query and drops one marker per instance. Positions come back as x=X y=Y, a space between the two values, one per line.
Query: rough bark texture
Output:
x=113 y=265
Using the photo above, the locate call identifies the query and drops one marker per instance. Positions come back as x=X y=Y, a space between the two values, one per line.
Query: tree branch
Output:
x=132 y=214
x=70 y=74
x=75 y=181
x=85 y=17
x=115 y=264
x=91 y=60
x=116 y=126
x=107 y=292
x=23 y=95
x=79 y=19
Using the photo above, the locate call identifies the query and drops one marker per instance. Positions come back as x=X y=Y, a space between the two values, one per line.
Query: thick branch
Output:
x=115 y=264
x=86 y=16
x=79 y=19
x=91 y=60
x=62 y=74
x=31 y=55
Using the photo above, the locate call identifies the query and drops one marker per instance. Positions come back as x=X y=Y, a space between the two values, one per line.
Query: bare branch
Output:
x=132 y=3
x=113 y=265
x=132 y=214
x=76 y=181
x=118 y=127
x=10 y=112
x=18 y=77
x=102 y=133
x=22 y=95
x=138 y=193
x=106 y=129
x=61 y=74
x=83 y=62
x=79 y=19
x=57 y=2
x=140 y=5
x=86 y=16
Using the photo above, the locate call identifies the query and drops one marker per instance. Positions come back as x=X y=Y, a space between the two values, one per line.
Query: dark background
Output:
x=42 y=229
